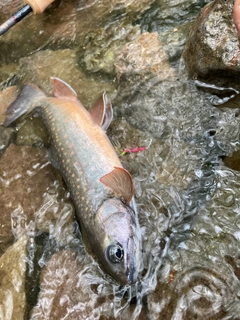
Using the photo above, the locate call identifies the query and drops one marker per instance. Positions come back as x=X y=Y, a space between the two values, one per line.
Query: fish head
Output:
x=120 y=250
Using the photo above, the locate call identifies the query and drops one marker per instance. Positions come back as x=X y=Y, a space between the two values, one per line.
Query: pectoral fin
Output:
x=120 y=182
x=63 y=90
x=101 y=112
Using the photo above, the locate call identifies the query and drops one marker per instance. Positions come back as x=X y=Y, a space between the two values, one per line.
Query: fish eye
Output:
x=115 y=253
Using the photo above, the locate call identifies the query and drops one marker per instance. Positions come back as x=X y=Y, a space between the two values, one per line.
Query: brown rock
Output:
x=31 y=195
x=212 y=50
x=73 y=287
x=8 y=7
x=7 y=96
x=69 y=290
x=12 y=282
x=233 y=161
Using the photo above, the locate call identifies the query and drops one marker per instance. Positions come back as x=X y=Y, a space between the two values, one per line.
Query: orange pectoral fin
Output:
x=120 y=182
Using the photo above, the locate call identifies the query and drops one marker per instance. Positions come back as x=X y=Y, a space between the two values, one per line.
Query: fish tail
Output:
x=26 y=101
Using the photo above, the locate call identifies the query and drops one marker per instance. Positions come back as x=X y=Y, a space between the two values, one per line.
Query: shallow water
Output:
x=187 y=199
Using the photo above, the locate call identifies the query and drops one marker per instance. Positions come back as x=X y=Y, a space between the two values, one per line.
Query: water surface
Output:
x=187 y=198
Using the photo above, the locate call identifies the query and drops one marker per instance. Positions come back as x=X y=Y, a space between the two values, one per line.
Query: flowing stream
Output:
x=187 y=195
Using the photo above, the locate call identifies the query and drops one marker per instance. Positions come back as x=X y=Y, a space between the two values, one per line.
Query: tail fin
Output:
x=25 y=103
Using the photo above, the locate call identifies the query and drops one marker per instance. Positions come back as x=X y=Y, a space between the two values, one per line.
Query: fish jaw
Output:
x=118 y=244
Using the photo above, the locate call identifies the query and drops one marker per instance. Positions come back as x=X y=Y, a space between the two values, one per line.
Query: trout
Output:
x=101 y=189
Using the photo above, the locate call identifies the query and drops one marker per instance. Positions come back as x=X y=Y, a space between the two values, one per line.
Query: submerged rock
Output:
x=199 y=277
x=96 y=57
x=39 y=67
x=6 y=137
x=13 y=264
x=144 y=54
x=32 y=197
x=8 y=75
x=74 y=287
x=69 y=291
x=7 y=96
x=233 y=161
x=32 y=132
x=212 y=50
x=62 y=25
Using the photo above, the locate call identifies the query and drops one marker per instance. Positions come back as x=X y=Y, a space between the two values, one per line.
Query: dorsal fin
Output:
x=120 y=182
x=62 y=90
x=101 y=112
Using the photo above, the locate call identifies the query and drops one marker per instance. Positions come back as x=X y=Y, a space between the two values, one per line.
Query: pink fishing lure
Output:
x=135 y=150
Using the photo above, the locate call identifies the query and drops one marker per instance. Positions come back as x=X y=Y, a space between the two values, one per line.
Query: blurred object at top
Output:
x=37 y=6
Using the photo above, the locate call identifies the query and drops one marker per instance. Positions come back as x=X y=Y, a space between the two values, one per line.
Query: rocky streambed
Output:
x=171 y=69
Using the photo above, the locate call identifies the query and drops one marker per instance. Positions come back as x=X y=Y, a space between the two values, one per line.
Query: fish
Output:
x=102 y=191
x=236 y=15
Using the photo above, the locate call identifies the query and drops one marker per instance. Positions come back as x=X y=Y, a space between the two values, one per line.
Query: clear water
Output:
x=187 y=199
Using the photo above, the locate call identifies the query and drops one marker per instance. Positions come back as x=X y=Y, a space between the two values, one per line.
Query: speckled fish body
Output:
x=81 y=150
x=100 y=188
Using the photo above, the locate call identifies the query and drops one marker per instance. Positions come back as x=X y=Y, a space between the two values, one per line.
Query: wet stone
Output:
x=32 y=197
x=200 y=276
x=145 y=54
x=7 y=135
x=32 y=132
x=73 y=287
x=12 y=281
x=212 y=50
x=7 y=96
x=95 y=57
x=201 y=267
x=8 y=75
x=233 y=161
x=9 y=6
x=71 y=290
